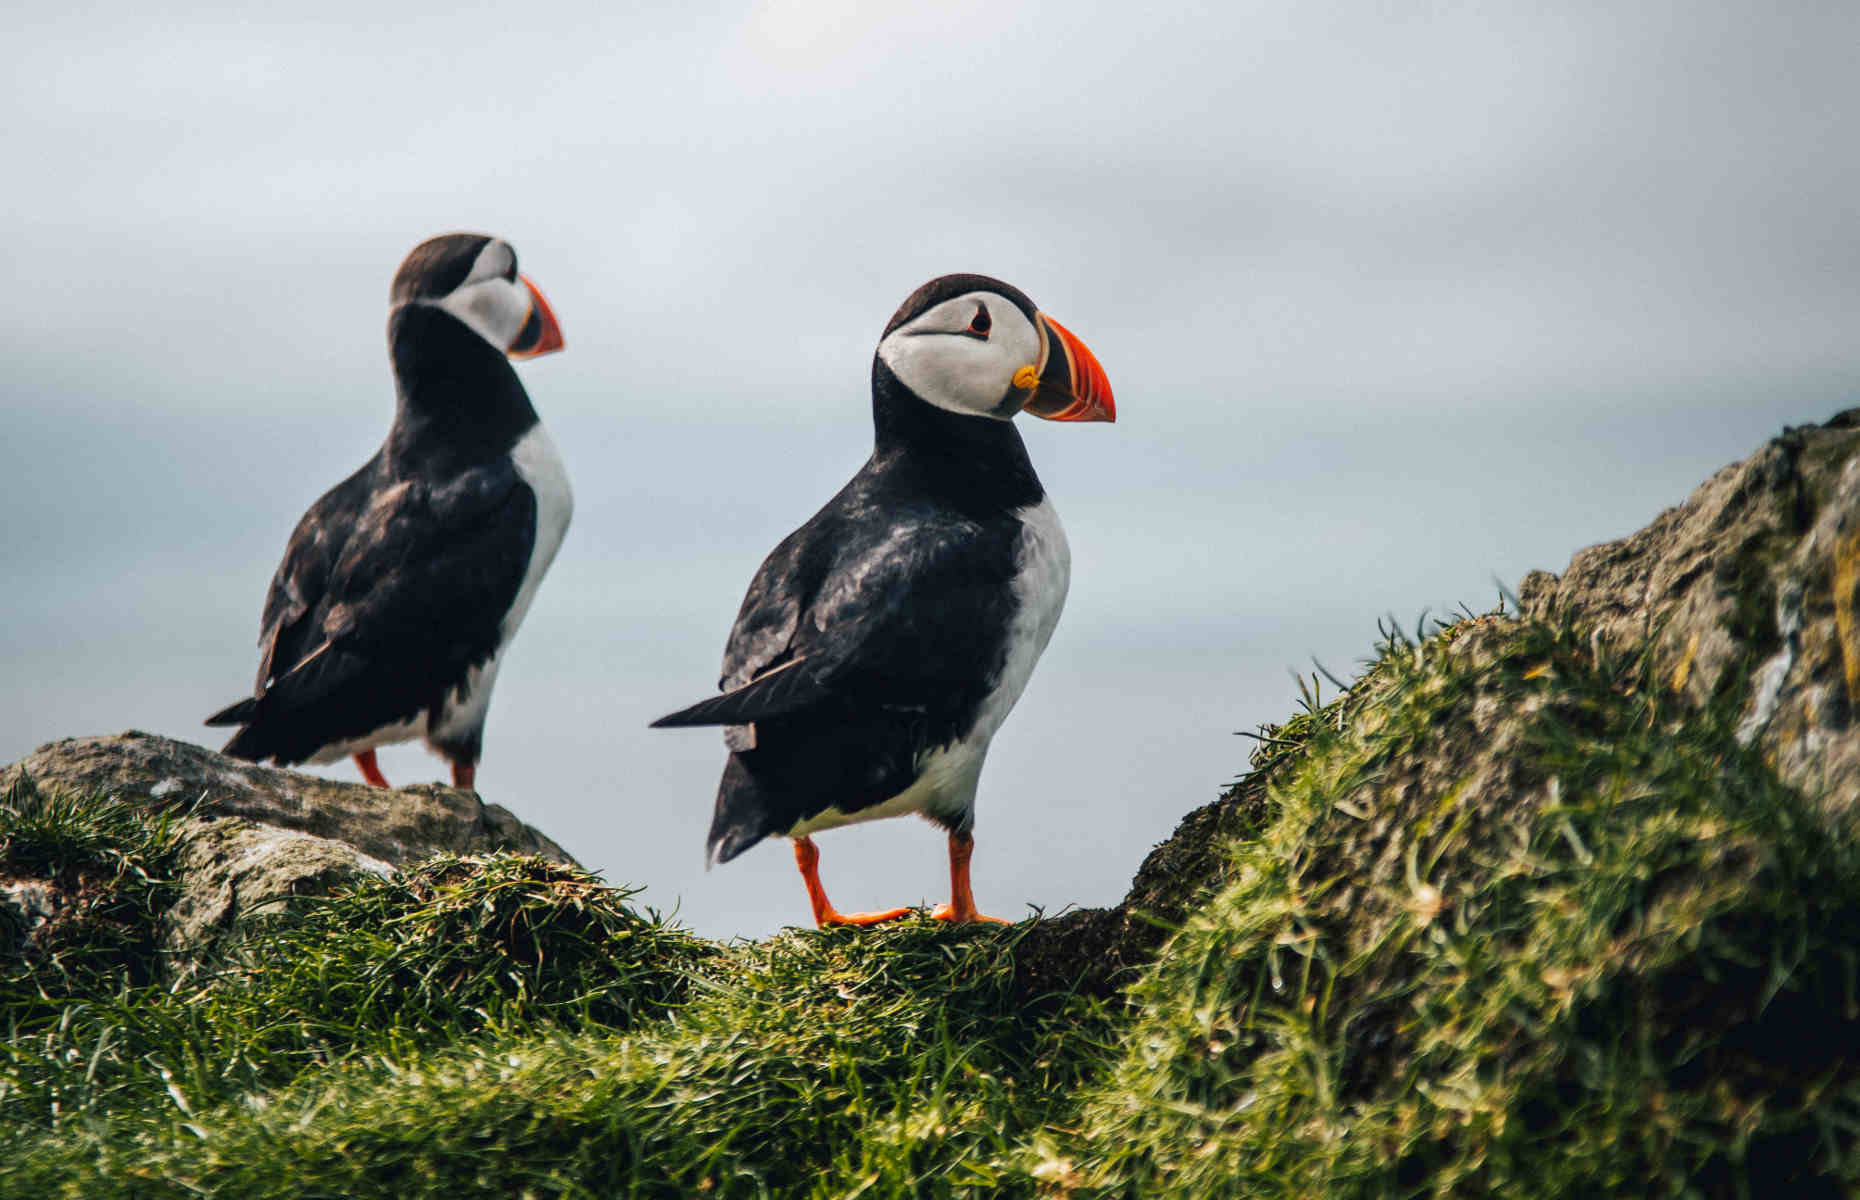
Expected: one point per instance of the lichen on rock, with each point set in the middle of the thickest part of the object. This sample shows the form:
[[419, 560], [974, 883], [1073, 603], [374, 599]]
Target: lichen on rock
[[396, 825], [1749, 588], [235, 869]]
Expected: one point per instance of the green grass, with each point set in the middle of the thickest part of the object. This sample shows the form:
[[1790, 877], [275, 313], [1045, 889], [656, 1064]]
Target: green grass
[[503, 1025], [809, 1064], [451, 950], [1508, 920]]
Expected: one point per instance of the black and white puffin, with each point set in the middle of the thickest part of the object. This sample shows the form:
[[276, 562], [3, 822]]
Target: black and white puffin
[[884, 642], [401, 588]]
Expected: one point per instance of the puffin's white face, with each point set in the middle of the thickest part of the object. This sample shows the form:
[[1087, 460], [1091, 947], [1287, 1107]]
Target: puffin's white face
[[491, 301], [971, 355]]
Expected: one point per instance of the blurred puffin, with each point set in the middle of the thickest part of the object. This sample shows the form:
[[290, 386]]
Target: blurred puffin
[[402, 586], [882, 644]]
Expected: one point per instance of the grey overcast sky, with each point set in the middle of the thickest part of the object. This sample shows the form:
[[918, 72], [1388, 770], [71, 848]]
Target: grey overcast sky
[[1399, 300]]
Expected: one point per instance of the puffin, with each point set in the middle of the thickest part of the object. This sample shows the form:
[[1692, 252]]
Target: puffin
[[402, 587], [882, 644]]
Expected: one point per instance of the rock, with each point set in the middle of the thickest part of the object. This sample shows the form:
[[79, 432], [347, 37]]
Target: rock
[[398, 826], [27, 906], [256, 837], [233, 869], [1750, 594], [1749, 591]]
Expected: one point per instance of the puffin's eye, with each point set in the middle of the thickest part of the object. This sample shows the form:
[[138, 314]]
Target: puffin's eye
[[982, 322]]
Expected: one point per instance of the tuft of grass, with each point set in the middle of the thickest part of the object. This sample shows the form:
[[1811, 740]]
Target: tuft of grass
[[462, 943], [1526, 924], [88, 882], [870, 1062], [453, 948]]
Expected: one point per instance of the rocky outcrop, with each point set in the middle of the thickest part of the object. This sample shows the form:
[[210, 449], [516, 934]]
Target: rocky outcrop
[[398, 826], [232, 868], [254, 836], [1749, 592]]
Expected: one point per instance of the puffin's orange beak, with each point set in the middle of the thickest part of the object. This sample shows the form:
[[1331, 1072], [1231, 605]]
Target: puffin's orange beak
[[541, 334], [1072, 386]]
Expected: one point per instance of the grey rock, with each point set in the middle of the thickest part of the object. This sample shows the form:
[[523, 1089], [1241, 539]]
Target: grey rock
[[233, 869], [258, 837], [398, 826], [1750, 592], [26, 907]]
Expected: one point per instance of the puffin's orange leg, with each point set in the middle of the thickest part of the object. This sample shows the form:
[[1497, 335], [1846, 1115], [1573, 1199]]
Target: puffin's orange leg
[[961, 906], [465, 775], [372, 773], [807, 857]]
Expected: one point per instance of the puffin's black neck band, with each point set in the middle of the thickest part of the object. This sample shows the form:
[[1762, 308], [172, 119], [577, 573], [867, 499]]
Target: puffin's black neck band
[[459, 401], [978, 462]]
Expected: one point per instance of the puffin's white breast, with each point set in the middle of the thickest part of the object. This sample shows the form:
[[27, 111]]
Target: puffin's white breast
[[536, 460], [1040, 586]]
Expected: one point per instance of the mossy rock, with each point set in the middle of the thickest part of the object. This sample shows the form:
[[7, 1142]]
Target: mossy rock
[[1749, 592], [252, 840], [1527, 923]]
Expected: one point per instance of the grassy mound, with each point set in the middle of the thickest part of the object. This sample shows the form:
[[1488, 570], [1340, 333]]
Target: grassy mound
[[458, 944], [807, 1064], [1525, 925], [454, 949], [507, 1026], [1505, 918]]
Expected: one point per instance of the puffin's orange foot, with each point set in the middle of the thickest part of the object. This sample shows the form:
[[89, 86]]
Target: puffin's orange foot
[[807, 857], [835, 917], [955, 916], [961, 907]]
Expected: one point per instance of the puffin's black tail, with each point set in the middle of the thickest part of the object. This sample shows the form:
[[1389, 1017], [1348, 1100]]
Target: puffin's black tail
[[235, 714], [248, 743], [793, 686], [742, 815]]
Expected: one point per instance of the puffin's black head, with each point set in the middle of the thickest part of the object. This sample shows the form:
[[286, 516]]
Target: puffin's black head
[[977, 346], [475, 278]]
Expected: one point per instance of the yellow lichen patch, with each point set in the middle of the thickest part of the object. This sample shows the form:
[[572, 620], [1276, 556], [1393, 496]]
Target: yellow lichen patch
[[1684, 670]]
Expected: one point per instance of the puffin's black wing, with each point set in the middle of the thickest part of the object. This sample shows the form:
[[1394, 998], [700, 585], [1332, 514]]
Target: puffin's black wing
[[899, 617], [862, 644], [390, 592]]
